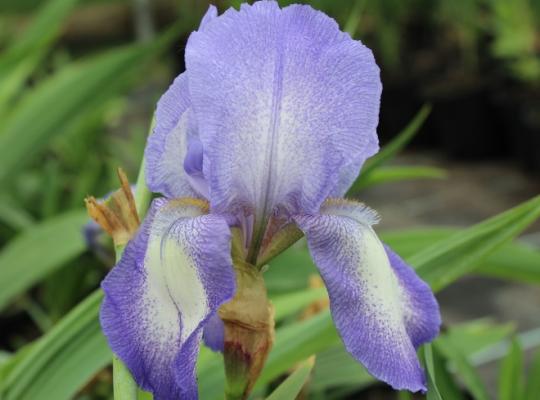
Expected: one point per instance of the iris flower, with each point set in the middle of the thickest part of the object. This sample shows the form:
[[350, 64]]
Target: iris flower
[[266, 130]]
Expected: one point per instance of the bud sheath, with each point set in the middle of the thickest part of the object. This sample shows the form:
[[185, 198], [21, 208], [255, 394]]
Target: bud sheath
[[249, 331]]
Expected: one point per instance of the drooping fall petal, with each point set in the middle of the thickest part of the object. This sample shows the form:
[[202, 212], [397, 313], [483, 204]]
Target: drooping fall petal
[[170, 281], [381, 308]]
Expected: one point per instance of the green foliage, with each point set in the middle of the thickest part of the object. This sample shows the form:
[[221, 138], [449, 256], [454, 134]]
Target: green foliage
[[292, 386], [389, 152], [511, 373], [472, 381], [448, 260], [532, 387], [75, 91], [63, 360], [388, 174], [515, 37], [24, 55], [38, 251], [433, 390]]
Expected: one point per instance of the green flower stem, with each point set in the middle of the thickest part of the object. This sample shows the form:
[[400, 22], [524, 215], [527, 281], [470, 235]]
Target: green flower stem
[[142, 195], [124, 385]]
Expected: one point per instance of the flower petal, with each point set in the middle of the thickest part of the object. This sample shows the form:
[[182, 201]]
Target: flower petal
[[209, 16], [214, 333], [283, 100], [381, 308], [167, 146], [171, 279]]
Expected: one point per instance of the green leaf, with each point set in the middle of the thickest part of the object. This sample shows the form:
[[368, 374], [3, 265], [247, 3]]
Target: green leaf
[[38, 251], [473, 337], [513, 261], [446, 385], [511, 373], [63, 360], [353, 20], [7, 365], [74, 91], [433, 391], [291, 303], [517, 262], [391, 149], [292, 386], [298, 341], [453, 353], [15, 216], [290, 271], [335, 368], [399, 173], [450, 259], [532, 387], [22, 57]]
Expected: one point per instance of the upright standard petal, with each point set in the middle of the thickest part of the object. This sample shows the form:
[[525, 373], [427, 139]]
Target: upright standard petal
[[382, 309], [283, 100], [170, 281], [173, 154], [167, 146]]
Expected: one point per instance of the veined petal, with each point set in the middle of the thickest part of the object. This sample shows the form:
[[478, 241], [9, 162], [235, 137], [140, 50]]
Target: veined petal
[[173, 154], [171, 279], [283, 100], [210, 15], [382, 309], [167, 146]]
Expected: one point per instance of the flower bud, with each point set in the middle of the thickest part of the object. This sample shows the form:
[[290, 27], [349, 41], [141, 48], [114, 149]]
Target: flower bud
[[249, 331]]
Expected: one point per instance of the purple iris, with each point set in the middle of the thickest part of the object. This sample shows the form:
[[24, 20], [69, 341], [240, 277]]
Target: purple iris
[[269, 125]]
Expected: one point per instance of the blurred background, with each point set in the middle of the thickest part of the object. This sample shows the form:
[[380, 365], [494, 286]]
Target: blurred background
[[79, 80]]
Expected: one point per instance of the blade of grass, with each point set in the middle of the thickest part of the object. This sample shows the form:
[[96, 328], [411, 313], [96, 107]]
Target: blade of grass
[[448, 388], [38, 251], [452, 352], [513, 261], [22, 57], [74, 91], [511, 373], [63, 360], [294, 383], [391, 149], [450, 259], [389, 174], [532, 388], [433, 391]]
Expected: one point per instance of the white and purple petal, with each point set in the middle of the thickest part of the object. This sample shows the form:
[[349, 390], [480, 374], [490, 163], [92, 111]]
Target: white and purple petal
[[214, 333], [173, 154], [171, 280], [381, 308], [167, 146], [283, 101]]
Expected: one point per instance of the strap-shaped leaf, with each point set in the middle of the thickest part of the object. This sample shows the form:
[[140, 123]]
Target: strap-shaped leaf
[[38, 251], [294, 383], [450, 259]]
